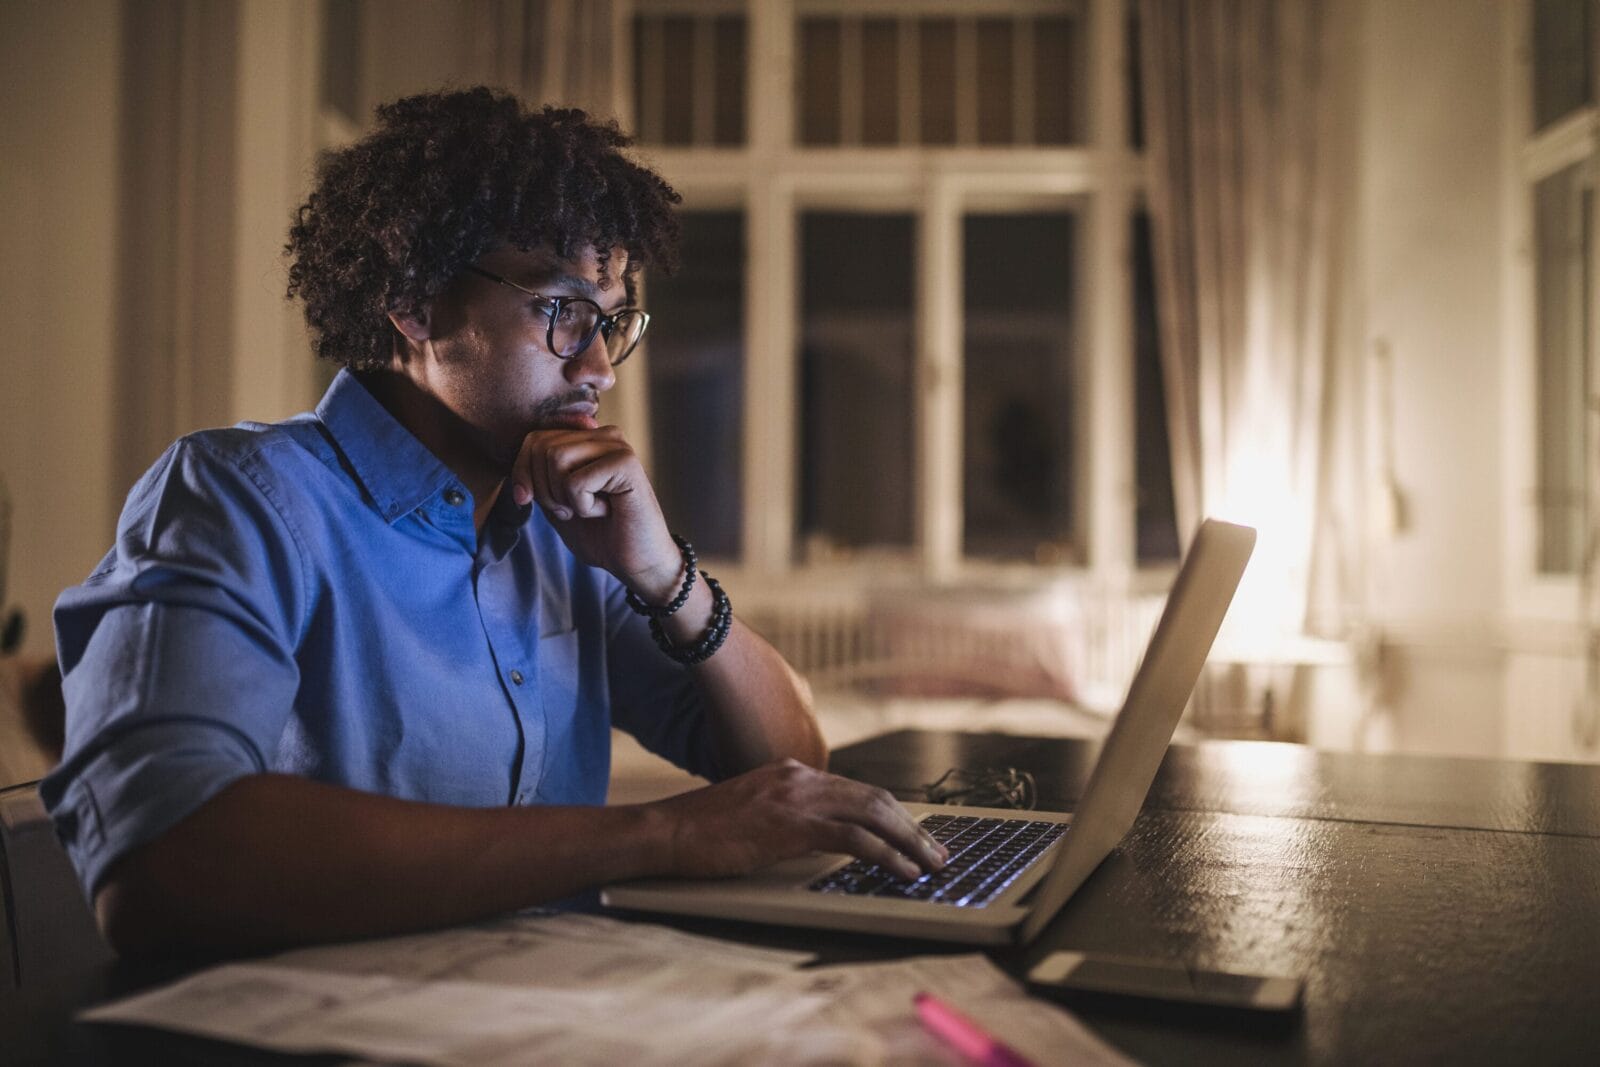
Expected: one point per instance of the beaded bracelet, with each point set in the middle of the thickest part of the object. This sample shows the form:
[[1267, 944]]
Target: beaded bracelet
[[716, 631], [691, 568]]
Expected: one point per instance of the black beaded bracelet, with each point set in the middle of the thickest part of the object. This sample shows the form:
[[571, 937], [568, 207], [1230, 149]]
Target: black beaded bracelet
[[710, 641], [691, 568]]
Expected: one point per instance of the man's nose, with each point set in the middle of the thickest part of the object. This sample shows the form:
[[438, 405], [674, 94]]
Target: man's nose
[[592, 366]]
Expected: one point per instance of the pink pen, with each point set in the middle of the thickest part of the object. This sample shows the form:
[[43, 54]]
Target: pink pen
[[964, 1035]]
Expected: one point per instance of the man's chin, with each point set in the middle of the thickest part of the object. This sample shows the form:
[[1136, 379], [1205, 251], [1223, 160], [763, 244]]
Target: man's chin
[[567, 422]]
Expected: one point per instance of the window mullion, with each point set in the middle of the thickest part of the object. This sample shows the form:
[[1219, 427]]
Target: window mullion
[[770, 78], [939, 377], [771, 386], [771, 383], [1107, 291], [1587, 341]]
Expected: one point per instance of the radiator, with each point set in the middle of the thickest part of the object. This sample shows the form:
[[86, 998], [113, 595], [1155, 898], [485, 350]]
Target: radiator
[[1070, 642]]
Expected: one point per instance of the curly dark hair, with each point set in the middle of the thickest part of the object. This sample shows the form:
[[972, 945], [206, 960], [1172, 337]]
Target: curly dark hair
[[447, 176]]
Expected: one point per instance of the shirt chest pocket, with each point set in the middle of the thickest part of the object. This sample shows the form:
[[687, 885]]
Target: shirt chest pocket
[[577, 729]]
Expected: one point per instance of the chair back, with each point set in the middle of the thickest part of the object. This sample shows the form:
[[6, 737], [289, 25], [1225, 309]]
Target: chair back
[[49, 935]]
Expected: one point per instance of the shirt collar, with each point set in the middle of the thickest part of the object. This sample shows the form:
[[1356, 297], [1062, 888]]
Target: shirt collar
[[396, 469]]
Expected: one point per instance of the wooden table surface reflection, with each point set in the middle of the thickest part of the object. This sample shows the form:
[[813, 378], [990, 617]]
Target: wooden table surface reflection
[[1439, 910]]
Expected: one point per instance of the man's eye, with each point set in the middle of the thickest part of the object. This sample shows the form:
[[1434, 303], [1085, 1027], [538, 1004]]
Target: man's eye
[[568, 315]]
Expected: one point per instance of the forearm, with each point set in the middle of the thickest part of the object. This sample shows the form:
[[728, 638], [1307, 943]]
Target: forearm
[[760, 707], [593, 489], [277, 860]]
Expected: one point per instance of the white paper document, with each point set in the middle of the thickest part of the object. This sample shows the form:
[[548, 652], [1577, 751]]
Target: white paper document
[[869, 1018], [583, 989]]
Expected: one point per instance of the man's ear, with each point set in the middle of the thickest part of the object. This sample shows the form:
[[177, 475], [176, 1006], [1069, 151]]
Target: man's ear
[[415, 325]]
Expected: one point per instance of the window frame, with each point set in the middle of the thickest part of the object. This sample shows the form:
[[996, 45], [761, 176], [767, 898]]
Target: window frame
[[1532, 156], [774, 179]]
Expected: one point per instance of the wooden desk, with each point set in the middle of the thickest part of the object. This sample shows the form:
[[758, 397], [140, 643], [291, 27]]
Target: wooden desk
[[1440, 910]]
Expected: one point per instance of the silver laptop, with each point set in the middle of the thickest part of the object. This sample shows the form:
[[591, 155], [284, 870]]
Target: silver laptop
[[1009, 871]]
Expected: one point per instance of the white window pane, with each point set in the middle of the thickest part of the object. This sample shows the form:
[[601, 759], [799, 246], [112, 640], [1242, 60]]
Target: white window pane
[[1155, 513], [1563, 47], [1019, 397], [856, 363], [996, 97], [818, 75], [695, 363], [937, 69], [686, 69], [730, 49], [880, 81], [680, 78], [341, 59], [1563, 204], [1060, 67]]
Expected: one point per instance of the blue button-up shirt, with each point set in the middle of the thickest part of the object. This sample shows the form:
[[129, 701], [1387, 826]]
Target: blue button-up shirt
[[312, 597]]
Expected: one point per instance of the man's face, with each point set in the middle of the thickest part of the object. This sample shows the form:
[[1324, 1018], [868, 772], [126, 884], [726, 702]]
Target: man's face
[[488, 359]]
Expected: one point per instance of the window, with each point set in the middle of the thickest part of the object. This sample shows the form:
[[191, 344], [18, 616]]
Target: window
[[1562, 219], [857, 362], [1559, 164], [689, 76], [1563, 50], [695, 371], [941, 80], [1019, 388], [946, 346], [1155, 513]]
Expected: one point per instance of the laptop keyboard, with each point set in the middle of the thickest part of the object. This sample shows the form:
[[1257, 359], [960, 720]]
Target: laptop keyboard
[[986, 855]]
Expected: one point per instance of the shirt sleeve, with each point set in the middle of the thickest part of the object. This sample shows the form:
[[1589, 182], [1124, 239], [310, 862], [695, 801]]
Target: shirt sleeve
[[177, 655], [653, 698]]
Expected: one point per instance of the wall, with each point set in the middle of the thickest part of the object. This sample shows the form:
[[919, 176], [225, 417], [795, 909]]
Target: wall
[[1428, 280], [155, 152], [1424, 224], [58, 198]]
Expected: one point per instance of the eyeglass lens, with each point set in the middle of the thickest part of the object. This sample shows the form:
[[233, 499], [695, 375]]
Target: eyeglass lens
[[573, 326]]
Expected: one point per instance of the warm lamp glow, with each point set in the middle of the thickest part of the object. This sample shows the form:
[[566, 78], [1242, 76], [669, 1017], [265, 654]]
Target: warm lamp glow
[[1270, 606]]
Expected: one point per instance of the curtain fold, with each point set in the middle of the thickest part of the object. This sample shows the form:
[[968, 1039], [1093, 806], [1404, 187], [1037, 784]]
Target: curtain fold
[[562, 52], [1236, 119], [571, 54]]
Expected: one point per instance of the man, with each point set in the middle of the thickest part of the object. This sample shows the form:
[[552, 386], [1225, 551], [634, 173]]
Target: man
[[355, 673]]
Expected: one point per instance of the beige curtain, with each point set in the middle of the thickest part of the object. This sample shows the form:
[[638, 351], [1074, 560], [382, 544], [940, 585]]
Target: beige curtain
[[1236, 119], [553, 51]]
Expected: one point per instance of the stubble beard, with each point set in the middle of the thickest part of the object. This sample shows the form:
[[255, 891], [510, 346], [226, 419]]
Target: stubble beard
[[547, 409]]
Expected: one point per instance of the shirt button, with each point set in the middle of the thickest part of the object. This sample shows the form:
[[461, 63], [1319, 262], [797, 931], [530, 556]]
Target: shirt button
[[516, 677], [454, 497]]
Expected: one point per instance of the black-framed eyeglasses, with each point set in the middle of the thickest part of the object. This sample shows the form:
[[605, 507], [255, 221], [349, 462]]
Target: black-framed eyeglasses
[[574, 321]]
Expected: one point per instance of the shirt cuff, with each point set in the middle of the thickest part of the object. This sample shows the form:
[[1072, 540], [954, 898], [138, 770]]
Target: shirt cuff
[[143, 783]]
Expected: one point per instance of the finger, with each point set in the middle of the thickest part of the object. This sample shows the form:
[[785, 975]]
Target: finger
[[873, 808], [576, 471], [521, 475], [554, 455], [863, 845], [877, 811], [539, 475], [530, 473], [533, 471], [591, 486]]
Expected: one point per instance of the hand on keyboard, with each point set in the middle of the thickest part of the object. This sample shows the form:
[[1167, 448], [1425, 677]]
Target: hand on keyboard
[[985, 856], [786, 809]]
